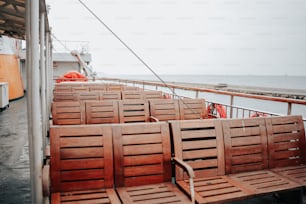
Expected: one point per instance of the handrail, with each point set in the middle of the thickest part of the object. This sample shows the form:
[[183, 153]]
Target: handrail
[[197, 90], [269, 98]]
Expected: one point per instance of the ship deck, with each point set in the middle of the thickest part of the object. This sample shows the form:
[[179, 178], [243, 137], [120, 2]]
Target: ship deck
[[14, 154], [14, 158]]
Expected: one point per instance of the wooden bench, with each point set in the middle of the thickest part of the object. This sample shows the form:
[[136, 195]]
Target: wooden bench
[[133, 111], [172, 109], [82, 164], [100, 112], [287, 147], [68, 113], [164, 110], [142, 164], [246, 157], [192, 109], [229, 159]]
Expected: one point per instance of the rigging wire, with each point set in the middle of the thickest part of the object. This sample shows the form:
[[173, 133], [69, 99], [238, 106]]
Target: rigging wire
[[128, 47], [134, 53], [61, 43]]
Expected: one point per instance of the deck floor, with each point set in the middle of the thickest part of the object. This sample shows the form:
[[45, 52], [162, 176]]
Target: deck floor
[[14, 158], [14, 154]]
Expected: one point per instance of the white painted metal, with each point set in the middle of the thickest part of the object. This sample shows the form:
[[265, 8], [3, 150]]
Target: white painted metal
[[4, 95], [34, 112], [43, 78]]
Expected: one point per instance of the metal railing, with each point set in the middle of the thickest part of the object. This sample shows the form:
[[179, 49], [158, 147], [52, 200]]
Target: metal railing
[[233, 110]]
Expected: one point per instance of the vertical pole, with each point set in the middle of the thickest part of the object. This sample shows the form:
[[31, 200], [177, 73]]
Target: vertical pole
[[197, 94], [29, 93], [231, 106], [289, 108], [43, 78], [34, 115]]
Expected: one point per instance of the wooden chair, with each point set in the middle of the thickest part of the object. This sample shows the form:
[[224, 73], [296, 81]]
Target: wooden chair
[[99, 112], [164, 110], [110, 95], [192, 109], [133, 111], [287, 147], [246, 152], [88, 96], [199, 144], [65, 96], [148, 95], [142, 164], [127, 95], [68, 113], [82, 164]]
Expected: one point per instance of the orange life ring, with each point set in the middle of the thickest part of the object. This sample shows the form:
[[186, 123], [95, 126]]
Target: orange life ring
[[167, 96], [216, 111], [258, 114]]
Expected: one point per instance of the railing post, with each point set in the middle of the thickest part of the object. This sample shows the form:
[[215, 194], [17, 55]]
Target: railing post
[[197, 94], [289, 108], [231, 106]]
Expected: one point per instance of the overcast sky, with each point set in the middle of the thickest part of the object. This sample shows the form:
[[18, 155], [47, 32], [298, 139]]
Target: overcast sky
[[259, 37]]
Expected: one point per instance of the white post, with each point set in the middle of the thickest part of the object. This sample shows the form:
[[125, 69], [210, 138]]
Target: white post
[[43, 78], [34, 114]]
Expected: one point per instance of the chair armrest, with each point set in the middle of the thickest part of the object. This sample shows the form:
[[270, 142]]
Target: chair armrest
[[46, 180], [190, 173], [153, 119]]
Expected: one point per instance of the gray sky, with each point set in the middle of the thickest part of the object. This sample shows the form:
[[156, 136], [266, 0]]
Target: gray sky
[[260, 37]]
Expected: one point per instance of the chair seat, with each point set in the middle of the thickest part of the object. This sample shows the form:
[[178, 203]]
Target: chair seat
[[215, 189], [150, 194], [294, 173], [103, 196], [264, 181]]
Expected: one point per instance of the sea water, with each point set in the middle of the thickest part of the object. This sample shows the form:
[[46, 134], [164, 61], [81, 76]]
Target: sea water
[[284, 81]]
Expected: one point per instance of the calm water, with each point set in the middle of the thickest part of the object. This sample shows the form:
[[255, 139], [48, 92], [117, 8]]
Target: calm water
[[291, 82], [287, 82]]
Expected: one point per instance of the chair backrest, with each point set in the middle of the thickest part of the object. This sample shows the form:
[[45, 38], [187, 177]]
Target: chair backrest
[[110, 95], [286, 141], [165, 109], [114, 87], [65, 96], [98, 87], [99, 112], [245, 143], [62, 88], [133, 111], [148, 95], [126, 95], [142, 153], [88, 96], [81, 157], [200, 144], [68, 113], [79, 89], [192, 109]]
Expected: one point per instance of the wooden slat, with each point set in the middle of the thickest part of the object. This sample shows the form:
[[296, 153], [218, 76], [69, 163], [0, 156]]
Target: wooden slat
[[87, 174], [143, 170], [142, 160], [164, 110], [82, 164], [81, 141], [73, 153], [133, 111]]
